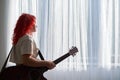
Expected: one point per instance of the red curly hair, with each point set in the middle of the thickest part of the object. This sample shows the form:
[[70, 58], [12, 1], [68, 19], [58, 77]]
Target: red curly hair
[[23, 25]]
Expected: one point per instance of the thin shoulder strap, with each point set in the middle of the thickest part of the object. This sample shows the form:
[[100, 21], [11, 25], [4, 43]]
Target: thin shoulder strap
[[40, 55], [3, 67]]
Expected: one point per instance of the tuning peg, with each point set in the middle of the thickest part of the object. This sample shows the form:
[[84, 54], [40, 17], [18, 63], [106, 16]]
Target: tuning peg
[[72, 46], [73, 54]]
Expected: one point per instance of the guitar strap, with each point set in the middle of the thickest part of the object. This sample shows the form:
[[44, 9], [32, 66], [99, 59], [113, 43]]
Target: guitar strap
[[40, 55], [3, 67]]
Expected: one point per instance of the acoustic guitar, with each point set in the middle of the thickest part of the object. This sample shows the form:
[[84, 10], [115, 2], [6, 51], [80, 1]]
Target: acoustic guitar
[[30, 73]]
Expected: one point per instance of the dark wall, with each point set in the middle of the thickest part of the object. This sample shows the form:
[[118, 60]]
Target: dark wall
[[3, 30]]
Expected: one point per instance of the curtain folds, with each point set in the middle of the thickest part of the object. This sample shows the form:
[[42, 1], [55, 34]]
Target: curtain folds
[[90, 25]]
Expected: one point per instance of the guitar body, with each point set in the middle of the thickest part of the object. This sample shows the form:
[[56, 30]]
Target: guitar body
[[23, 73]]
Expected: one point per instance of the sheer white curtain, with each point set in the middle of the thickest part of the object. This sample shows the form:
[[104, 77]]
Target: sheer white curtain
[[63, 25], [110, 33], [90, 25]]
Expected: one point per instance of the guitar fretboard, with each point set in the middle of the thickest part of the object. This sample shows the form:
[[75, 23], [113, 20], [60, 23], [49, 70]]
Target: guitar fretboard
[[61, 58]]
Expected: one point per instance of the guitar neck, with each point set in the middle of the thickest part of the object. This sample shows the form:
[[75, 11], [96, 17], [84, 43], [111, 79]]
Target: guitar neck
[[61, 58]]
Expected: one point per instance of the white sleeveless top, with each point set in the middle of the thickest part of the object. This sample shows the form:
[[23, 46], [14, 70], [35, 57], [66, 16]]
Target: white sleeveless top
[[25, 45]]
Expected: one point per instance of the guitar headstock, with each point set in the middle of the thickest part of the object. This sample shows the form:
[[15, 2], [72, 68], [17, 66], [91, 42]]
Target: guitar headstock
[[73, 51]]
